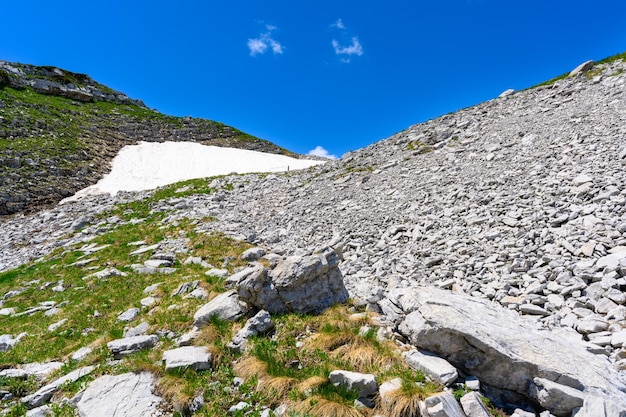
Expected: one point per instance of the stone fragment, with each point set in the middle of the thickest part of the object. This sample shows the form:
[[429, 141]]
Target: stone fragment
[[140, 329], [473, 406], [502, 349], [145, 249], [252, 254], [533, 309], [43, 394], [214, 272], [7, 341], [122, 347], [561, 400], [81, 353], [225, 306], [443, 405], [194, 357], [125, 395], [259, 324], [436, 368], [364, 384], [128, 315], [584, 67]]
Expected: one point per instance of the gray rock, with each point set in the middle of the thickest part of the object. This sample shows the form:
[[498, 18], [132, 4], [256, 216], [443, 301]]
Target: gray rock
[[601, 407], [42, 411], [186, 287], [225, 306], [253, 254], [128, 315], [501, 349], [436, 368], [584, 67], [215, 272], [7, 341], [122, 347], [302, 284], [259, 324], [81, 353], [194, 357], [364, 384], [443, 405], [139, 330], [561, 400], [473, 406], [42, 370], [43, 394], [126, 395]]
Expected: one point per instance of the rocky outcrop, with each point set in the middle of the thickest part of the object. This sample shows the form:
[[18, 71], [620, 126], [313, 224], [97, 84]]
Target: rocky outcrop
[[301, 284], [126, 395], [502, 350]]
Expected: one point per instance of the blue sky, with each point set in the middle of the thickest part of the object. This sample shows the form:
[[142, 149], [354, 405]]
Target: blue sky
[[303, 74]]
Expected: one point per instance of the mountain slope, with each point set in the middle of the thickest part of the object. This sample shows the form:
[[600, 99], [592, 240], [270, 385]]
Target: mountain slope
[[59, 130], [493, 238]]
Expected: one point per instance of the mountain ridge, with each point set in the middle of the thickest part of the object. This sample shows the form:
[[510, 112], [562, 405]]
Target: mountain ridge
[[59, 131]]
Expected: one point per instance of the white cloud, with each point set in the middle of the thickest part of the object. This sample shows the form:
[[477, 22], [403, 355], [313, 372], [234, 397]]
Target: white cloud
[[320, 151], [353, 49], [256, 46], [338, 24], [349, 44], [260, 45]]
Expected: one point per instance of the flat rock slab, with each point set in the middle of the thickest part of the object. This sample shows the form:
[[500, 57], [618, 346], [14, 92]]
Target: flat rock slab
[[194, 357], [128, 345], [364, 384], [501, 349], [43, 395], [437, 368], [126, 395]]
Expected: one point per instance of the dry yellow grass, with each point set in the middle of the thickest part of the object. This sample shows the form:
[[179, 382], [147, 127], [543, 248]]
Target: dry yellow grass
[[310, 384], [399, 404], [321, 407], [366, 359], [173, 390]]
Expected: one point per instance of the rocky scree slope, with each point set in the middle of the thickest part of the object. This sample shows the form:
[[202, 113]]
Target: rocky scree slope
[[59, 130], [492, 237]]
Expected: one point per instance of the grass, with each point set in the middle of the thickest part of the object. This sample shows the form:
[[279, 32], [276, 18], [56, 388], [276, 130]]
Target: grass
[[419, 147], [289, 366], [590, 74]]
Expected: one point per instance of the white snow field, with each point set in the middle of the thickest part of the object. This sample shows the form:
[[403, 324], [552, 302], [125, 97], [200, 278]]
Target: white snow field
[[149, 165]]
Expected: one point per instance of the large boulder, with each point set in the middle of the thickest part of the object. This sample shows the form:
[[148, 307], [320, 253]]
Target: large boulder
[[302, 284], [126, 395], [507, 352]]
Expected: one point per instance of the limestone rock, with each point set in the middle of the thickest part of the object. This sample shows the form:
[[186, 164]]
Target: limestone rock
[[364, 384], [561, 400], [43, 394], [500, 348], [129, 315], [126, 395], [194, 357], [473, 406], [302, 284], [259, 324], [584, 67], [225, 306], [436, 368], [128, 345], [443, 405]]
